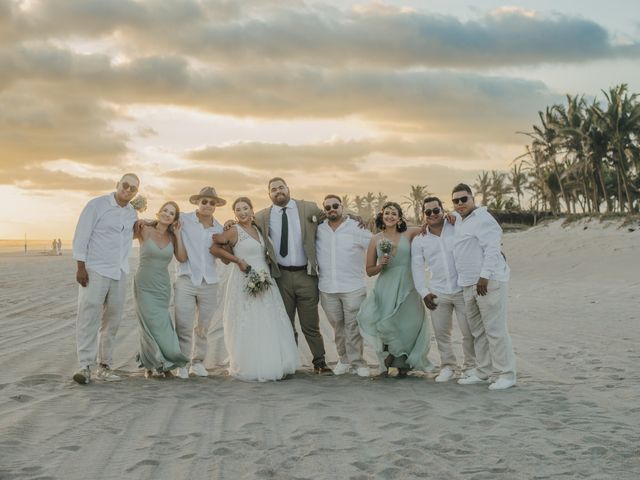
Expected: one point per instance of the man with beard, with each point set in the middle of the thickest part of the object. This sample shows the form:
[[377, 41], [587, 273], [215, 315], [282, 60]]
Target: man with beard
[[291, 226], [341, 246]]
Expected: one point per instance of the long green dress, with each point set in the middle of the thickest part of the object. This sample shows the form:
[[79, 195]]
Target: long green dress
[[393, 319], [159, 347]]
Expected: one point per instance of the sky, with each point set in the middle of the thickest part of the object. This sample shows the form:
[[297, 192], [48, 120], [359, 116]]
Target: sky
[[334, 96]]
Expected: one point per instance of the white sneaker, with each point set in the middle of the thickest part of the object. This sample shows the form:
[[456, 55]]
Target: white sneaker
[[445, 375], [469, 372], [82, 376], [198, 370], [341, 368], [472, 380], [502, 384], [105, 373], [182, 372], [363, 372]]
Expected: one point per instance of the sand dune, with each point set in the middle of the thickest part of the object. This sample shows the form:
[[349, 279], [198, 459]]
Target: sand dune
[[574, 301]]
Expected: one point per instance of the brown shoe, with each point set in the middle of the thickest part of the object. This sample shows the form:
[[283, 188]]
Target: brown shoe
[[323, 370]]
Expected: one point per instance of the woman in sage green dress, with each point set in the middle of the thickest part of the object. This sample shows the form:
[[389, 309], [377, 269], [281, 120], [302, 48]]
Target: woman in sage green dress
[[392, 318], [159, 348]]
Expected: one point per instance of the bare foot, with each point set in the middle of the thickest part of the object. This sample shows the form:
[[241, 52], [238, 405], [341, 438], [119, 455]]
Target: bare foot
[[148, 373], [169, 374]]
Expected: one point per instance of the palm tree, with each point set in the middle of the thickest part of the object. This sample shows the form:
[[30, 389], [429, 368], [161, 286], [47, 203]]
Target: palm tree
[[518, 180], [368, 205], [381, 199], [347, 203], [414, 200], [482, 187]]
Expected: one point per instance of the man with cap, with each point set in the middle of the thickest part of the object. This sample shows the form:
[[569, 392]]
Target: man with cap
[[196, 287]]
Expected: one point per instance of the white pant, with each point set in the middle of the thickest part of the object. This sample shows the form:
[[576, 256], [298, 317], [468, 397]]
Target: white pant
[[100, 307], [487, 317], [341, 310], [442, 320], [187, 299]]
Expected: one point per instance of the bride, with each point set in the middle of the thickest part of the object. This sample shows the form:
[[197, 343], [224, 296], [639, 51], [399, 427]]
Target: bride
[[257, 330]]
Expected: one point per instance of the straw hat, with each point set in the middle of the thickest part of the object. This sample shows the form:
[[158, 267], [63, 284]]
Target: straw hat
[[208, 192]]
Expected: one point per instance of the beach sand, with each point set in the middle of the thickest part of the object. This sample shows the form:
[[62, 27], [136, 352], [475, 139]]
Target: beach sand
[[574, 301]]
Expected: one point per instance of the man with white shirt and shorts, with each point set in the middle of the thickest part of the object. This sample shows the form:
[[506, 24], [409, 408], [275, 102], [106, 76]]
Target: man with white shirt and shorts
[[196, 287], [483, 274], [434, 251], [341, 247], [101, 248]]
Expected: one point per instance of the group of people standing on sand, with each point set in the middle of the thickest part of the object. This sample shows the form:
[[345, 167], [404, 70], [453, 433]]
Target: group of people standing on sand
[[286, 259]]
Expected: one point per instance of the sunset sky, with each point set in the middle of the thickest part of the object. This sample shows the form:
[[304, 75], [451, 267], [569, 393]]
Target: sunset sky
[[335, 96]]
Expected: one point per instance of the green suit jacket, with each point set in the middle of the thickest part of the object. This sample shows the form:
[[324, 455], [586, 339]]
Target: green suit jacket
[[309, 214]]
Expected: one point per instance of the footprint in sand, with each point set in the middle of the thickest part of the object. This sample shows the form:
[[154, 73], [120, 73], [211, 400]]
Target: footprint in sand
[[22, 398], [142, 463]]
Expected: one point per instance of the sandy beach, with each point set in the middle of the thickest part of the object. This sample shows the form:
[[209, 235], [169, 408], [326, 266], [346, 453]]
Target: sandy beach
[[575, 324]]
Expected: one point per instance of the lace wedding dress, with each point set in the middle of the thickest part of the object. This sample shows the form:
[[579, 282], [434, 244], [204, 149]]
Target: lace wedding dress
[[257, 330]]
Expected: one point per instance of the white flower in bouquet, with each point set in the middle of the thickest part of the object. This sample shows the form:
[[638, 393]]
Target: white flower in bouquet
[[139, 203], [257, 282], [385, 246]]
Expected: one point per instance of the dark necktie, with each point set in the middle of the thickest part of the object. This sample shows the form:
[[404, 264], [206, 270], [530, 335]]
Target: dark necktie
[[284, 235]]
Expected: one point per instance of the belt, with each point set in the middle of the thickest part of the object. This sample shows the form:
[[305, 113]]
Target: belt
[[292, 269]]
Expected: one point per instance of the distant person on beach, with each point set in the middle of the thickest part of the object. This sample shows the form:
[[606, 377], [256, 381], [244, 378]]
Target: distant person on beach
[[196, 288], [101, 247], [160, 241], [59, 247], [392, 318], [341, 247], [483, 274], [291, 227], [433, 250]]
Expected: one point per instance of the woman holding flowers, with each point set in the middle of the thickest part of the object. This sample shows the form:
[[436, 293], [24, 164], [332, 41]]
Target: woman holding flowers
[[392, 318], [257, 330]]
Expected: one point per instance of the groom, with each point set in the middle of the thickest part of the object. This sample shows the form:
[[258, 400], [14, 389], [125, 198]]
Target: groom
[[291, 226]]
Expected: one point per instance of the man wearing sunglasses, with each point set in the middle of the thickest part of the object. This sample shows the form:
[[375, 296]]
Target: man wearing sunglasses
[[196, 288], [434, 251], [341, 247], [483, 274], [101, 247]]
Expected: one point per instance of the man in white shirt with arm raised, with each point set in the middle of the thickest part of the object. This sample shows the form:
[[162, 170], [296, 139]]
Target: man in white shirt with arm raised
[[101, 248], [483, 274], [443, 296], [341, 247]]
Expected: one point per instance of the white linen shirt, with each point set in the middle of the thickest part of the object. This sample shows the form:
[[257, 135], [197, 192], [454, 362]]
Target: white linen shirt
[[104, 235], [477, 248], [200, 265], [295, 255], [435, 253], [341, 256]]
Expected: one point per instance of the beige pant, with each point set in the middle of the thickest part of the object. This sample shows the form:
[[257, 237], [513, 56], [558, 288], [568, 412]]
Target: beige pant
[[442, 320], [192, 329], [341, 310], [299, 293], [487, 317], [100, 306]]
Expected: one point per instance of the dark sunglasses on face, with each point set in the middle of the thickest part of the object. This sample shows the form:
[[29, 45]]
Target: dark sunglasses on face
[[128, 186], [334, 206], [435, 211], [204, 201], [456, 201]]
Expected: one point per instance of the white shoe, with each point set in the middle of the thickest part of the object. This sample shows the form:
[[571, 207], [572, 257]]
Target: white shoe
[[198, 370], [502, 384], [469, 372], [182, 372], [105, 373], [472, 380], [363, 372], [445, 375], [341, 368], [82, 376]]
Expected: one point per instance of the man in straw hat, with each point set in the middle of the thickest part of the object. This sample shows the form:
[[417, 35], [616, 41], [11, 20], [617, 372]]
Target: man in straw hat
[[196, 288]]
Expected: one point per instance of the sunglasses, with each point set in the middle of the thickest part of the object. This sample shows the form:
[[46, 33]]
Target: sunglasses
[[334, 206], [128, 186], [428, 212], [456, 201], [204, 201]]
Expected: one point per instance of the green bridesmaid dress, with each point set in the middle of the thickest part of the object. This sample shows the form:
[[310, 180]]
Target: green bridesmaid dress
[[393, 318], [159, 347]]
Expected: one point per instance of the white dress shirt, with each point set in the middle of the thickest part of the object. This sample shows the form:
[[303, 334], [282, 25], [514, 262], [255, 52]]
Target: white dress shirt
[[104, 235], [341, 256], [200, 265], [436, 253], [477, 248], [295, 255]]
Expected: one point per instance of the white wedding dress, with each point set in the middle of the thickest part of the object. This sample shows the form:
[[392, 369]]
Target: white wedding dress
[[257, 330]]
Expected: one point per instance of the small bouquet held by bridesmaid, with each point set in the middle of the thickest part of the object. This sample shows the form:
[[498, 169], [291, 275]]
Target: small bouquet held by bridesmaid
[[257, 282], [139, 203], [385, 246]]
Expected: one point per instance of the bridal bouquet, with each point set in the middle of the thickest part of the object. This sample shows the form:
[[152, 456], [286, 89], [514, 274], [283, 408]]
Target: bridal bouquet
[[257, 282], [385, 246], [139, 203]]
